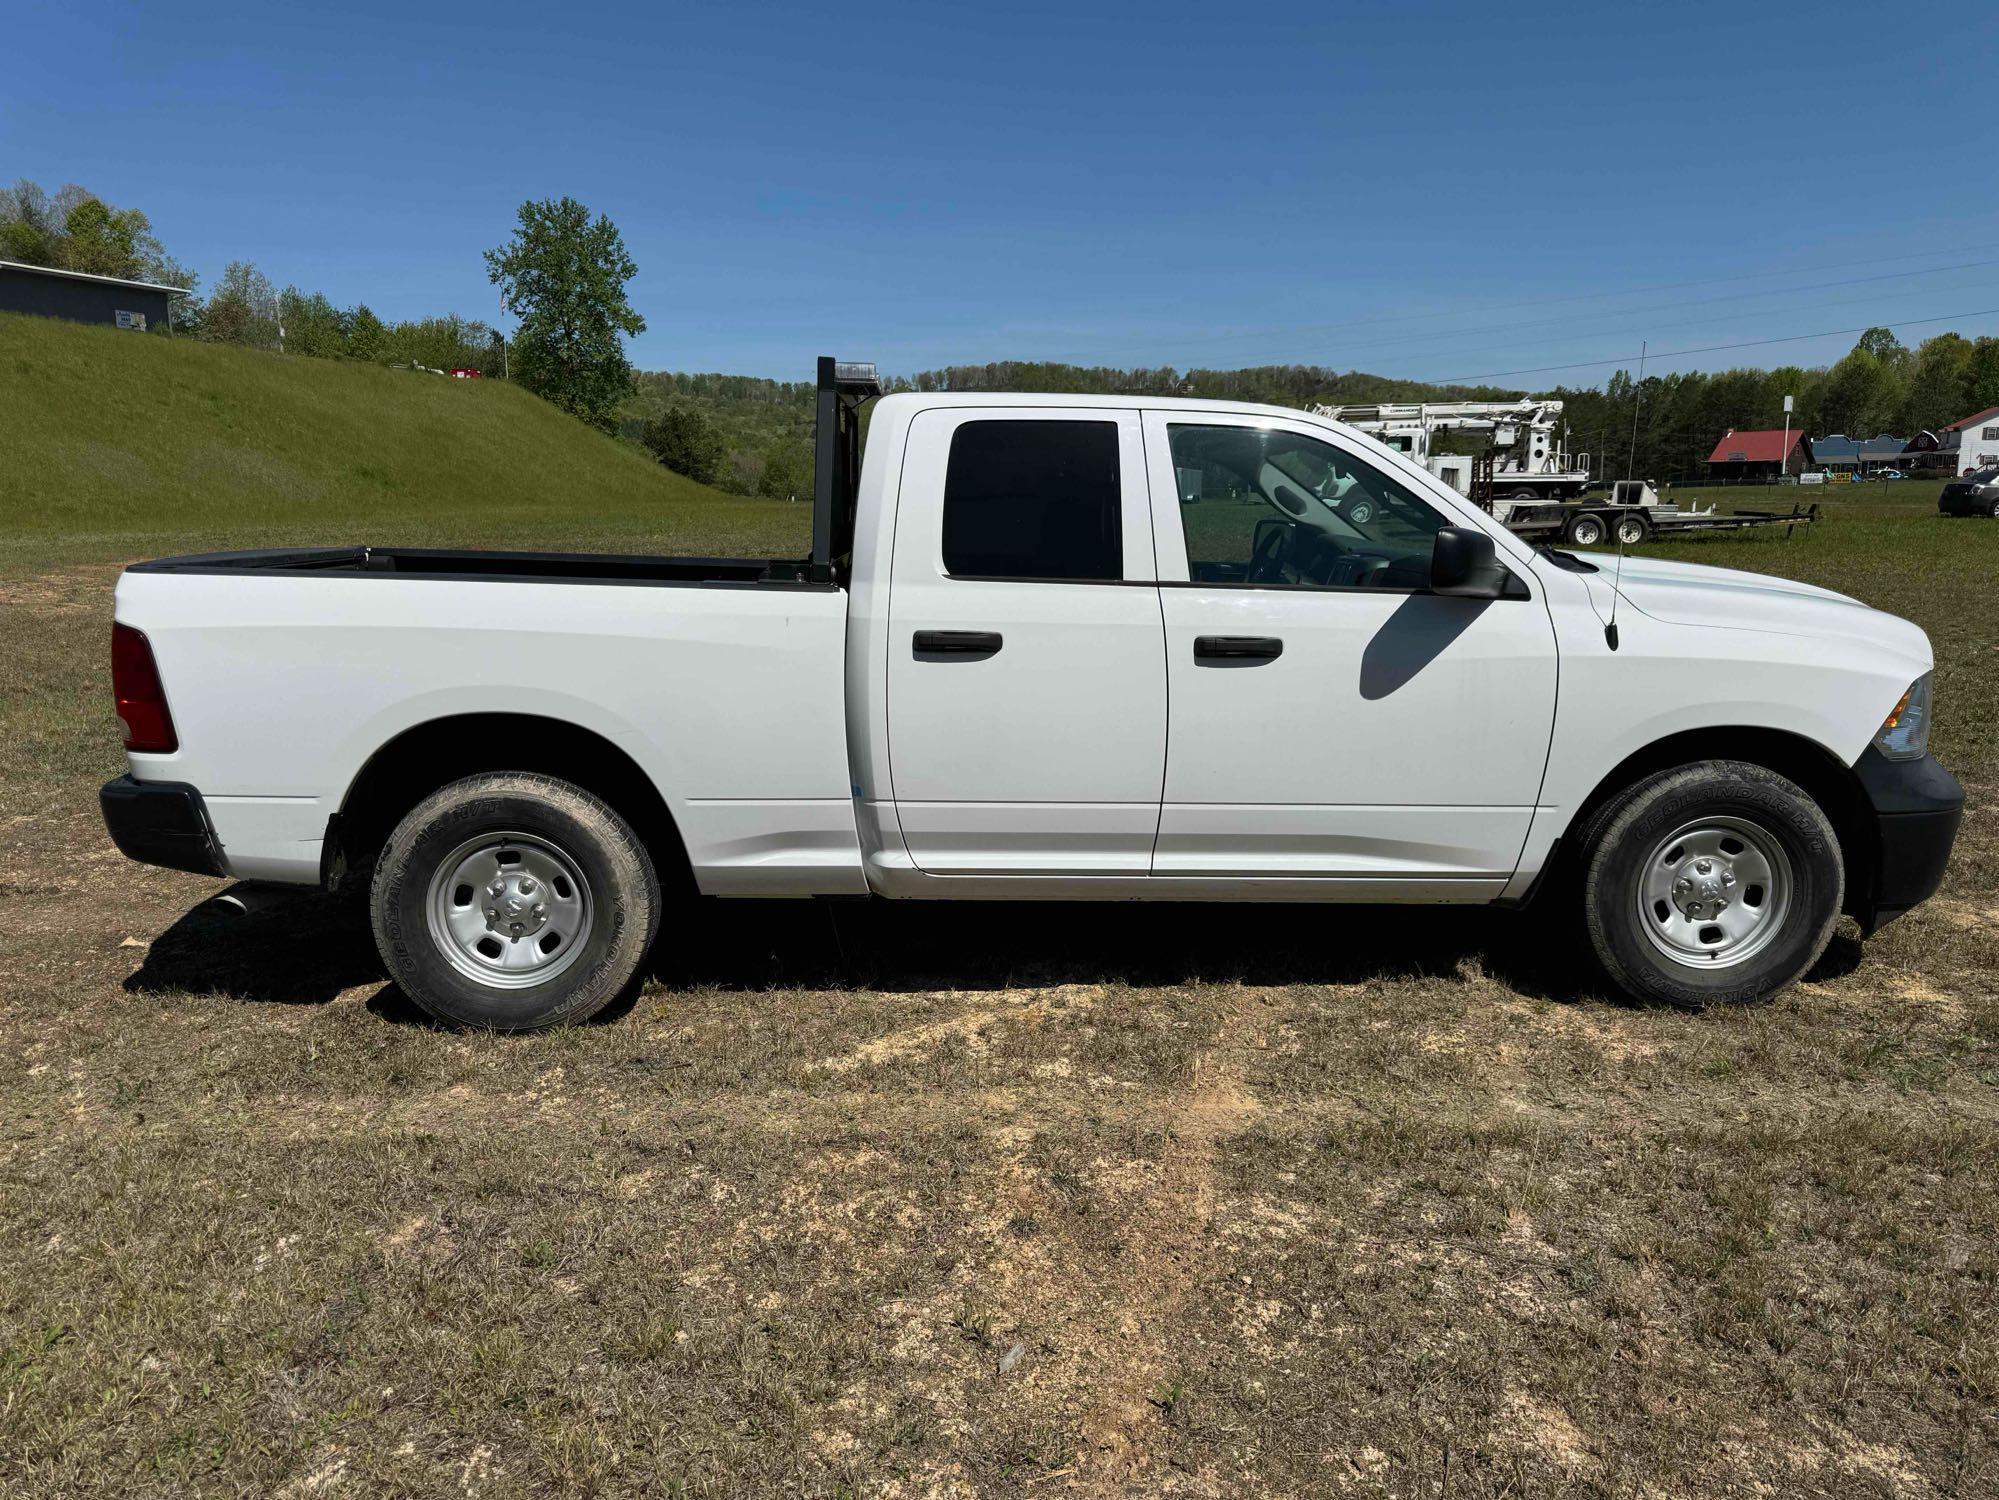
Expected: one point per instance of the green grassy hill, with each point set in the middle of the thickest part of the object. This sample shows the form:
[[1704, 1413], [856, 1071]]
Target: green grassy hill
[[116, 446]]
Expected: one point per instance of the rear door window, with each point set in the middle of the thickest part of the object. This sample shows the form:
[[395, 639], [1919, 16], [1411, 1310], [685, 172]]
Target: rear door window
[[1033, 499]]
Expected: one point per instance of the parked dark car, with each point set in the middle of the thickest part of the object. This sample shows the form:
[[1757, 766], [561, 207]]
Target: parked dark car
[[1973, 494]]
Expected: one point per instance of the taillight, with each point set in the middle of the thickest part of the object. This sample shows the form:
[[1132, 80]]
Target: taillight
[[142, 702]]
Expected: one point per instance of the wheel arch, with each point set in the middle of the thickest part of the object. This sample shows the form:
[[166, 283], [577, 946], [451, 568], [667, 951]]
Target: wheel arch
[[437, 752], [1820, 773]]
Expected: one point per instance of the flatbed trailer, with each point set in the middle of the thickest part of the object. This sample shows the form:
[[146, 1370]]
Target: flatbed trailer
[[1632, 512]]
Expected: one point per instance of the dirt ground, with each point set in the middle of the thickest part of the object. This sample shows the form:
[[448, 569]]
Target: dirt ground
[[987, 1200]]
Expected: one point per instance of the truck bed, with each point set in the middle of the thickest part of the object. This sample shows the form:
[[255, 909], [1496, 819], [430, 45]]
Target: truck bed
[[502, 567]]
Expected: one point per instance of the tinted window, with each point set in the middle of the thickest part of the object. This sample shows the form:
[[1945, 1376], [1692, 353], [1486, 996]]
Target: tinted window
[[1033, 500], [1265, 506]]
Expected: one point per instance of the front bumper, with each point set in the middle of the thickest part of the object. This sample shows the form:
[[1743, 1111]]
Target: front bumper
[[161, 823], [1916, 806]]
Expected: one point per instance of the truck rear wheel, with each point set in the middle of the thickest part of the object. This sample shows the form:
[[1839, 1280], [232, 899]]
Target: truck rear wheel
[[1712, 884], [513, 902], [1586, 530], [1631, 530]]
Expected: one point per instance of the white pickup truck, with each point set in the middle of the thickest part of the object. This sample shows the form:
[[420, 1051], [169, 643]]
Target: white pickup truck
[[1066, 647]]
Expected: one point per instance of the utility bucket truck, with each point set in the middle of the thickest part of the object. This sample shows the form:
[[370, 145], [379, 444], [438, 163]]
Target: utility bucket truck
[[1529, 481]]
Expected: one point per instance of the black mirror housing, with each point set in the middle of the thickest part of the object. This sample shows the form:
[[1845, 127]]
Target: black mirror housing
[[1464, 564]]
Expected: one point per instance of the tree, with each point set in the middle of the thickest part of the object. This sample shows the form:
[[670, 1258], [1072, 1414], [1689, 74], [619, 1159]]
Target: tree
[[364, 333], [243, 310], [564, 276], [312, 324], [787, 472], [1939, 383], [682, 439], [78, 231]]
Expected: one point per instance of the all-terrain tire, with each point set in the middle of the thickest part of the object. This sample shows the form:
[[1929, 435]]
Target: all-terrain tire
[[1750, 805], [599, 863]]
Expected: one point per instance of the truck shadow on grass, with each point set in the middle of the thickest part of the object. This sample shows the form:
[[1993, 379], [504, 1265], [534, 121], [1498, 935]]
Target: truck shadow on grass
[[278, 946]]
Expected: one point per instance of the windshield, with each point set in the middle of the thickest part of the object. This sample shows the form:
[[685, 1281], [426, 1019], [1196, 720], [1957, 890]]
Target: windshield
[[1982, 476]]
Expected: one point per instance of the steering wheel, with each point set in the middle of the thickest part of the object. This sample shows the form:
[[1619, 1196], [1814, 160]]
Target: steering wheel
[[1266, 563]]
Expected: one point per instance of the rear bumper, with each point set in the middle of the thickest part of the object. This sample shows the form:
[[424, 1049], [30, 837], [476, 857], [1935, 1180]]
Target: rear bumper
[[1916, 806], [161, 823]]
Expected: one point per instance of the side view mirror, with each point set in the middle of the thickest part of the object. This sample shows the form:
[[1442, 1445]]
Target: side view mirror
[[1465, 565]]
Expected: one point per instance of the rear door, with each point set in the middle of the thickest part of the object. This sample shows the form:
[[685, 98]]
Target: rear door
[[1026, 672], [1330, 716]]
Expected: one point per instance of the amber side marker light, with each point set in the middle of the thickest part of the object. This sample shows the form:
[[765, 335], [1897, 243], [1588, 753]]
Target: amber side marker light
[[141, 699]]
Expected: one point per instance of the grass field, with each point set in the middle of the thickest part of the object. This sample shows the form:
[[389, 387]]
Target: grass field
[[937, 1201]]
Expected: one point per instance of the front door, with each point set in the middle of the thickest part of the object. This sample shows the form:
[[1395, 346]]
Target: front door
[[1026, 671], [1331, 718]]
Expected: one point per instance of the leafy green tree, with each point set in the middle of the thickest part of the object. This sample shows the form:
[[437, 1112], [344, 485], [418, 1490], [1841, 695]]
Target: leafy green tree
[[78, 231], [787, 473], [243, 309], [1939, 383], [30, 232], [1883, 345], [313, 325], [563, 275], [1982, 378], [364, 333], [683, 440]]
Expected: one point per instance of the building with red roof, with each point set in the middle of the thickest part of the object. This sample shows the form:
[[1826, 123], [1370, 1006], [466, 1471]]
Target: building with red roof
[[1759, 455], [1974, 440]]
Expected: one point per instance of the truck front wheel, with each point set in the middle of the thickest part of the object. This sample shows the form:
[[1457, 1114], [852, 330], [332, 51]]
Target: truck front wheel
[[1712, 883], [513, 902]]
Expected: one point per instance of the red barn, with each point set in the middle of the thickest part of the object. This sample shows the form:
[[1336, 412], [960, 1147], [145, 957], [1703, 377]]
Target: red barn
[[1758, 455]]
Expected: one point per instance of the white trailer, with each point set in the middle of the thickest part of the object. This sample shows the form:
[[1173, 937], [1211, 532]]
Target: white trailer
[[1528, 479]]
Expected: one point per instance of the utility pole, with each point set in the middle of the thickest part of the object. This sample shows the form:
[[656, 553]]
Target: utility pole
[[1784, 457]]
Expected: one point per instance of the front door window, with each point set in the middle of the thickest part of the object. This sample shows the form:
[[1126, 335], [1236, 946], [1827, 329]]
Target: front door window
[[1272, 508]]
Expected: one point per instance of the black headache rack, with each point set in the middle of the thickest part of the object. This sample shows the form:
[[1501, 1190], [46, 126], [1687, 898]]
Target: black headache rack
[[843, 387], [836, 464]]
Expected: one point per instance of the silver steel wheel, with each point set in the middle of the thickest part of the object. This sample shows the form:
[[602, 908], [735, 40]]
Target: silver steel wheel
[[509, 910], [1586, 531], [1714, 892], [1631, 531]]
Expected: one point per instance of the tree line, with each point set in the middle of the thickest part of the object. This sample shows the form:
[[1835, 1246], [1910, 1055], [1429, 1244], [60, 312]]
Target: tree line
[[1665, 427], [563, 275], [73, 229]]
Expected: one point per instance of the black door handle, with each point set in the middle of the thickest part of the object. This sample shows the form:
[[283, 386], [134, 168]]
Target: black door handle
[[957, 642], [1237, 647]]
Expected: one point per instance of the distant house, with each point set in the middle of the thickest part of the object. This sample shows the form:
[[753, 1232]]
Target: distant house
[[1845, 455], [1974, 440], [48, 293], [1743, 456]]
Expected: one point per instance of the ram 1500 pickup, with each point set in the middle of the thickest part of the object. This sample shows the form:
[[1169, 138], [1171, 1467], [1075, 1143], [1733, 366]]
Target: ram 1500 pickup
[[1065, 647]]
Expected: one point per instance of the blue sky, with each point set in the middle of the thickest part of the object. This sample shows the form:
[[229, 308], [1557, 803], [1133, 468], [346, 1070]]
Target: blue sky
[[1428, 190]]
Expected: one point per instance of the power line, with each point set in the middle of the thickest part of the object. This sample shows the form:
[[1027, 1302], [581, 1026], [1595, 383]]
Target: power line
[[1651, 328], [1632, 312], [1789, 338], [1667, 286]]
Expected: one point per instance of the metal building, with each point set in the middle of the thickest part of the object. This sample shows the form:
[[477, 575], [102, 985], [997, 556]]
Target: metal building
[[48, 293]]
